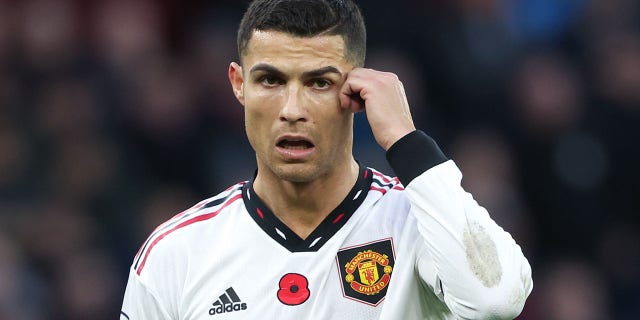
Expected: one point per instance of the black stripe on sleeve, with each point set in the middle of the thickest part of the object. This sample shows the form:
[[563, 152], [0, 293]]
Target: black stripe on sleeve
[[414, 154]]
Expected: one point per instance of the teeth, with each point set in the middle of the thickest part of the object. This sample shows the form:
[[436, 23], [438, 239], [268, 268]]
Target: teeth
[[295, 144], [290, 147]]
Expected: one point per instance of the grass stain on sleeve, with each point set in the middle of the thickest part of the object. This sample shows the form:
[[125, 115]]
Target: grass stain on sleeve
[[482, 255]]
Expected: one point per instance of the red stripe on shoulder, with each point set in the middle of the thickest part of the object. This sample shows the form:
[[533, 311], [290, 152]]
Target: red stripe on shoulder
[[384, 178], [241, 183], [196, 206], [184, 224], [381, 190]]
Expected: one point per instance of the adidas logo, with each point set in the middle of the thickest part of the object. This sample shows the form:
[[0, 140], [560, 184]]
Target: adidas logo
[[227, 302]]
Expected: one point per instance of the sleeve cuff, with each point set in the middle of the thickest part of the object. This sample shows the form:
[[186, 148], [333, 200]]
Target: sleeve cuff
[[414, 154]]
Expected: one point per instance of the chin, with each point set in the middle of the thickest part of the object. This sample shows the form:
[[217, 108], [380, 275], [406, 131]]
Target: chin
[[297, 173]]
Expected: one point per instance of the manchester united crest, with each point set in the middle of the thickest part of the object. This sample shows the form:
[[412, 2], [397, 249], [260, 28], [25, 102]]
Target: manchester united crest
[[365, 270]]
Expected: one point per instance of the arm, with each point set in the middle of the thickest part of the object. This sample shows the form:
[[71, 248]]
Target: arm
[[479, 271]]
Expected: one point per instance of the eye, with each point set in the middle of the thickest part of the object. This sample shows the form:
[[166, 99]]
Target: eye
[[270, 81], [320, 83]]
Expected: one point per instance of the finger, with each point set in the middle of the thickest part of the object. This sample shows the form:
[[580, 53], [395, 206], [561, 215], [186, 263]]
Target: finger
[[345, 100], [353, 102], [350, 96], [357, 103]]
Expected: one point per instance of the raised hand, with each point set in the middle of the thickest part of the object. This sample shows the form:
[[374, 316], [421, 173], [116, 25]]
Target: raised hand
[[382, 96]]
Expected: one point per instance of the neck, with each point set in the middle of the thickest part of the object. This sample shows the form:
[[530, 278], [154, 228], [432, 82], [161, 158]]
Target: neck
[[303, 206]]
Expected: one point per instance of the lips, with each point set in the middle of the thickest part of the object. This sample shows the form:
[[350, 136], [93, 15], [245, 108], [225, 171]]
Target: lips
[[295, 144], [295, 147]]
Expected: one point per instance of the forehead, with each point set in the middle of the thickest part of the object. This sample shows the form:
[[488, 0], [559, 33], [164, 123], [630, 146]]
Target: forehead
[[286, 50]]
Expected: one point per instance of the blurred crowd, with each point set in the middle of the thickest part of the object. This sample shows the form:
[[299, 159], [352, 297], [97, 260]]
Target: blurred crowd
[[115, 115]]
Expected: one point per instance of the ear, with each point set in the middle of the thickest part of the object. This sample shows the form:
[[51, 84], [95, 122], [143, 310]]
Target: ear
[[237, 82]]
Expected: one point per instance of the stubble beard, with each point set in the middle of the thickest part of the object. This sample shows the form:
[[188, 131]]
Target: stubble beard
[[297, 173]]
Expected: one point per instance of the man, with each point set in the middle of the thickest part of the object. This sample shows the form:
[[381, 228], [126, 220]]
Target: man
[[315, 234]]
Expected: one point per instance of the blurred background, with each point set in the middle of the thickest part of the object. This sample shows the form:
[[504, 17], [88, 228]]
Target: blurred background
[[116, 115]]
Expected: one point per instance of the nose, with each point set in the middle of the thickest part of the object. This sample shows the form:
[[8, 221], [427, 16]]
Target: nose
[[293, 109]]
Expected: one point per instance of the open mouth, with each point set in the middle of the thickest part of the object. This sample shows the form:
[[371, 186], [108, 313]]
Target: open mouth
[[294, 144]]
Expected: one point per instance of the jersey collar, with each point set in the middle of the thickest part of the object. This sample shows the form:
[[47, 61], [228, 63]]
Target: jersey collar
[[282, 234]]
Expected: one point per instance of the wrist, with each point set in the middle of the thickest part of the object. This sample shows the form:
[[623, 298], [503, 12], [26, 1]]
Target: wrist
[[414, 154], [396, 136]]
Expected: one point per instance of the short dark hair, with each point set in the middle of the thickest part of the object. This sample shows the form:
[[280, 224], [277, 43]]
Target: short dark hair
[[307, 18]]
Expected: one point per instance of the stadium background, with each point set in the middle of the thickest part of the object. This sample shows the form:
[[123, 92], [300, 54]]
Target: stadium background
[[115, 115]]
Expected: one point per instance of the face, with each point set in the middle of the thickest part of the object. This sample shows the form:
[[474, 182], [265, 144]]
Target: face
[[289, 87]]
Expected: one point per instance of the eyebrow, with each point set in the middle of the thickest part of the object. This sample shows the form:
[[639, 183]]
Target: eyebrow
[[320, 72], [307, 74], [268, 69]]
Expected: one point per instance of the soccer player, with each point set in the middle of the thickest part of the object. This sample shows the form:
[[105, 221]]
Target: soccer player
[[316, 234]]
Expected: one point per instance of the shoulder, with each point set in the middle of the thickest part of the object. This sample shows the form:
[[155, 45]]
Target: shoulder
[[387, 193], [168, 236], [387, 202]]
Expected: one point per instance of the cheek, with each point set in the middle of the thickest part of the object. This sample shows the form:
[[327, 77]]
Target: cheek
[[337, 127], [325, 106], [260, 108], [330, 106], [255, 124], [260, 112]]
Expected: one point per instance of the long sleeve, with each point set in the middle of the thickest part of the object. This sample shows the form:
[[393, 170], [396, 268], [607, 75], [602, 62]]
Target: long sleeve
[[471, 263]]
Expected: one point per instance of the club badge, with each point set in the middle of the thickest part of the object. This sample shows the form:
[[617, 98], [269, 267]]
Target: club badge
[[365, 271]]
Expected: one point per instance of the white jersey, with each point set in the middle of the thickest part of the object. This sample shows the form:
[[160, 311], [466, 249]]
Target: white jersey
[[425, 252]]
